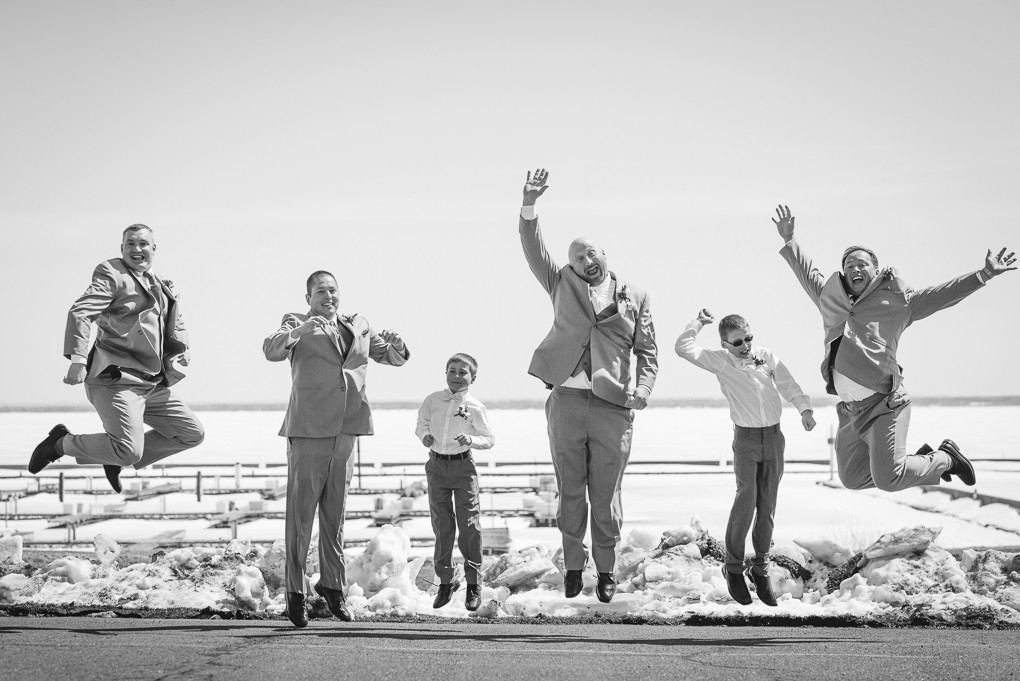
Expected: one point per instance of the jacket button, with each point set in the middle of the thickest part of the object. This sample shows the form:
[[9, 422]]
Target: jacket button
[[851, 314], [343, 388]]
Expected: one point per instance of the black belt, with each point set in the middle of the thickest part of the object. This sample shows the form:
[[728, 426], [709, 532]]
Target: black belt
[[746, 431], [451, 457]]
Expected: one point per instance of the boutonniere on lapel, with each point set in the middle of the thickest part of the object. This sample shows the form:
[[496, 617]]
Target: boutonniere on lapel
[[623, 299], [758, 362], [462, 411]]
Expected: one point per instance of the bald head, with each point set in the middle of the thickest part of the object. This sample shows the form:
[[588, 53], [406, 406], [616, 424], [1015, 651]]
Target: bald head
[[588, 260]]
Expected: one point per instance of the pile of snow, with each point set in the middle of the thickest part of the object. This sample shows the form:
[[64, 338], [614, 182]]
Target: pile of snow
[[903, 577]]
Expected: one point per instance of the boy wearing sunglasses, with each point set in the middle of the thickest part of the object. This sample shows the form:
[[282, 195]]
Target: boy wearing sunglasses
[[752, 380]]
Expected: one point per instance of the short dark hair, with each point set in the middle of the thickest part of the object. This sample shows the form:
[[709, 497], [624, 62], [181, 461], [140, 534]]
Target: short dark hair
[[137, 227], [471, 362], [315, 275], [731, 322], [847, 252]]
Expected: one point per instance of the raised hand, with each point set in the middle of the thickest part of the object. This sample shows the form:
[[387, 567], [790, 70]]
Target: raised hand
[[1000, 263], [393, 338], [309, 325], [705, 316], [463, 440], [784, 224], [534, 186], [75, 374]]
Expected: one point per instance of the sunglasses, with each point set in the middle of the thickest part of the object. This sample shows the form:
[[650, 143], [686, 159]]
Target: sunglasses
[[740, 341]]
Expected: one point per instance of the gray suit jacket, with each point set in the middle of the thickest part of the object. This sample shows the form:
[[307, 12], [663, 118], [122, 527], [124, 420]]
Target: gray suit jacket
[[612, 338], [327, 397], [134, 330], [861, 337]]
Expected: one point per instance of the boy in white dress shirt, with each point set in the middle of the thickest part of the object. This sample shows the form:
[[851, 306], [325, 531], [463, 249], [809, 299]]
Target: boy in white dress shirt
[[451, 423], [752, 380]]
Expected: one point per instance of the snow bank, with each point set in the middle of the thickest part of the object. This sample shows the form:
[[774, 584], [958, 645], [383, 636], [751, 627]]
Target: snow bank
[[903, 577]]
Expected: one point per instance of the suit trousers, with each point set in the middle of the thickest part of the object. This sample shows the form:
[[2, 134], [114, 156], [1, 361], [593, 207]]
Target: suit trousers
[[126, 404], [454, 506], [590, 442], [871, 446], [758, 465], [318, 472]]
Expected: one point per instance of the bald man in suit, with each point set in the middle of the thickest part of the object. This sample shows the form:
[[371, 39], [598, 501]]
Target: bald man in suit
[[328, 410], [600, 321], [129, 369]]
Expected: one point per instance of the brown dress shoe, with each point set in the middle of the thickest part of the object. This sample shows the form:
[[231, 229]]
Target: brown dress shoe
[[606, 588], [961, 467], [444, 594], [113, 477], [473, 597], [45, 452], [763, 587], [296, 609], [572, 583], [737, 587], [336, 602]]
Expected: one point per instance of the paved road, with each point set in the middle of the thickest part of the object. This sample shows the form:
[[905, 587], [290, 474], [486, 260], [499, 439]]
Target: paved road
[[71, 649]]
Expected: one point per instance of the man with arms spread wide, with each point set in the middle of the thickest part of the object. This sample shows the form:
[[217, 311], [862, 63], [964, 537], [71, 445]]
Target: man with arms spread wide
[[328, 410], [599, 321], [865, 310], [129, 370]]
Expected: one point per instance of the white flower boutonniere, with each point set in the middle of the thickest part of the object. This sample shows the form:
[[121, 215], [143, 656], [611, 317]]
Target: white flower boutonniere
[[347, 319], [624, 301], [462, 412]]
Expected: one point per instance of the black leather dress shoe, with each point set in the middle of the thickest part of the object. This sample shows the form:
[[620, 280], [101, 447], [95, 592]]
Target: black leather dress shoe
[[606, 588], [296, 609], [445, 594], [763, 587], [473, 598], [336, 602], [737, 587], [961, 467], [572, 583], [45, 452], [113, 476]]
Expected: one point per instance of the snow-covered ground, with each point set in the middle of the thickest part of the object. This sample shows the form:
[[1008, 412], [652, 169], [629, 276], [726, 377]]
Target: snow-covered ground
[[902, 578]]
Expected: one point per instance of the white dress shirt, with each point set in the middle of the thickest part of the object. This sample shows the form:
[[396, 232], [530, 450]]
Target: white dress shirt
[[445, 414]]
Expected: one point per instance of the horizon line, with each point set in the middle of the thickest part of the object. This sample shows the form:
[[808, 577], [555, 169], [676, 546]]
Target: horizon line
[[689, 402]]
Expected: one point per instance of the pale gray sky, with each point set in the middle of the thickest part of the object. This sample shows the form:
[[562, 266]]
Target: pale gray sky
[[388, 142]]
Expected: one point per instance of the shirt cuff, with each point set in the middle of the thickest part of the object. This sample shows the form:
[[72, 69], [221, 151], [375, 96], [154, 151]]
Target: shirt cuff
[[983, 276], [528, 212], [79, 359]]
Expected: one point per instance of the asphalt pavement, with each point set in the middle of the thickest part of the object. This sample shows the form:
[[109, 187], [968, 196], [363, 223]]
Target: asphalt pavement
[[85, 648]]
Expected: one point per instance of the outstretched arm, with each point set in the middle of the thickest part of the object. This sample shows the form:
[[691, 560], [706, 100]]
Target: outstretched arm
[[539, 260], [710, 360], [791, 391], [924, 302], [810, 278]]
